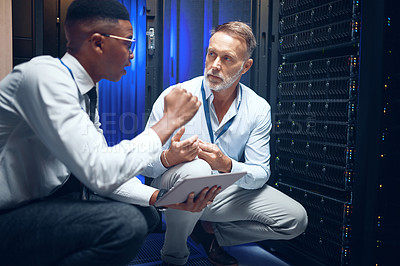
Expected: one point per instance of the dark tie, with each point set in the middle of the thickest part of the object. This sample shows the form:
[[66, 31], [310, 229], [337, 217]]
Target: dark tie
[[92, 94]]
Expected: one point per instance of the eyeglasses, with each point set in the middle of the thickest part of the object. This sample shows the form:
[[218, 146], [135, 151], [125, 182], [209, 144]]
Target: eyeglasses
[[130, 42]]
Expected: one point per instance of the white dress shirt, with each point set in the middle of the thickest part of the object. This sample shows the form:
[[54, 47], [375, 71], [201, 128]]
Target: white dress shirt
[[45, 134], [246, 141]]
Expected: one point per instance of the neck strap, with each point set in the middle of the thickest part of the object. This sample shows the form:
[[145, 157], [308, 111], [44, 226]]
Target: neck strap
[[208, 119]]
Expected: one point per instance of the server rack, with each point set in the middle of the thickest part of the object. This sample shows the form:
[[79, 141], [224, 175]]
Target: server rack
[[331, 105]]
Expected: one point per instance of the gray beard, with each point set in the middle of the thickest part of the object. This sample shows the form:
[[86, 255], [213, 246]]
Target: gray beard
[[226, 83]]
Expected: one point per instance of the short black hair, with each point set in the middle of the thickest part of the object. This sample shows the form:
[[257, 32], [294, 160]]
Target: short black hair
[[96, 9]]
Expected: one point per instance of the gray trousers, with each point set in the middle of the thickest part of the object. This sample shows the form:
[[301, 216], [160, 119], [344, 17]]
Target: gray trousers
[[239, 215]]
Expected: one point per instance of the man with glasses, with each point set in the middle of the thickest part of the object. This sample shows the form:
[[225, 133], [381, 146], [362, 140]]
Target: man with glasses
[[50, 136]]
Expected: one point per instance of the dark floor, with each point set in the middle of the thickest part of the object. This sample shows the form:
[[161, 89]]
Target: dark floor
[[247, 255]]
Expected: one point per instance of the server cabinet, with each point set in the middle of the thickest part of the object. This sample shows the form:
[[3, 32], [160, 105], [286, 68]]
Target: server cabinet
[[38, 28], [27, 30], [334, 95], [154, 52]]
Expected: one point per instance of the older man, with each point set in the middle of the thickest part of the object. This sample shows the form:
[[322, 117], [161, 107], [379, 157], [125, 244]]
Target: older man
[[230, 133]]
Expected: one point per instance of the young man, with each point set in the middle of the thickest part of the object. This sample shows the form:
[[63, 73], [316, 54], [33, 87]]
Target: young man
[[230, 133], [46, 134]]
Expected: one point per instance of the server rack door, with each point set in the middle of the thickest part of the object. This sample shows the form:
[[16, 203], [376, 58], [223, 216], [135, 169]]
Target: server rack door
[[154, 52], [330, 116]]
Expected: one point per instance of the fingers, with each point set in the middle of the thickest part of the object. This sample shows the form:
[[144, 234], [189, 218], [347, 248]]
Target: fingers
[[179, 134], [202, 195], [190, 199], [206, 156], [187, 97], [192, 204], [194, 104], [207, 153], [180, 106], [178, 89], [206, 196], [212, 193], [208, 147], [187, 146], [188, 205], [191, 154], [202, 199], [214, 157], [182, 151], [192, 141]]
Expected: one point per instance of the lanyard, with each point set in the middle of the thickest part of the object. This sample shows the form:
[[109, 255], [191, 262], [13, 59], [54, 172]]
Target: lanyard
[[207, 114], [70, 71], [72, 75]]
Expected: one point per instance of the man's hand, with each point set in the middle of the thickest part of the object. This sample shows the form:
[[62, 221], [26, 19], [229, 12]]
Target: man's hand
[[197, 204], [179, 107], [180, 151], [214, 157]]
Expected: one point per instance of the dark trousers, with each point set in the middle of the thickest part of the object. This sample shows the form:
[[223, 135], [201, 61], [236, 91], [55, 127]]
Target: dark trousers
[[66, 230]]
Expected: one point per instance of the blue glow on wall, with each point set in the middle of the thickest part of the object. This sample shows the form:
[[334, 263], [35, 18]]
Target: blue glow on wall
[[187, 27], [122, 103], [185, 47], [173, 43], [207, 26]]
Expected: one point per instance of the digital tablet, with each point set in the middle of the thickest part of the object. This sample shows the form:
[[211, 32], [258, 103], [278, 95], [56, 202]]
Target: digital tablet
[[180, 191]]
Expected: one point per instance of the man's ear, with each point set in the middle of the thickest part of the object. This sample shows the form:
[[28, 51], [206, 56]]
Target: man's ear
[[247, 65], [97, 42]]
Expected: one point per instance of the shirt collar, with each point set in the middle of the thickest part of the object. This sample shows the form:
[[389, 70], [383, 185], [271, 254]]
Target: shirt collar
[[82, 78], [239, 95], [210, 95], [208, 92]]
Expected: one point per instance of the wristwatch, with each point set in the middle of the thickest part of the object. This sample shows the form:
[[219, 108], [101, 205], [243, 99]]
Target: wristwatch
[[160, 194]]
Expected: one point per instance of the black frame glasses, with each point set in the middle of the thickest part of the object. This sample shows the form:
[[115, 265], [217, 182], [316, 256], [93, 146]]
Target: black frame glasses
[[132, 41]]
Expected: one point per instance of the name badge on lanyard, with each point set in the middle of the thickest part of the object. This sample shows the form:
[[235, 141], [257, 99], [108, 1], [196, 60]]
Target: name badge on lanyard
[[207, 114]]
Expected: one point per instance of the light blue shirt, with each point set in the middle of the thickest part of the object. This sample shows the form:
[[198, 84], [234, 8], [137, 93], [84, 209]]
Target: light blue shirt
[[246, 141], [45, 134]]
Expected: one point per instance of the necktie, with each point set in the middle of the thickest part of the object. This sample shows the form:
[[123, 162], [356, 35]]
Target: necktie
[[92, 95]]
